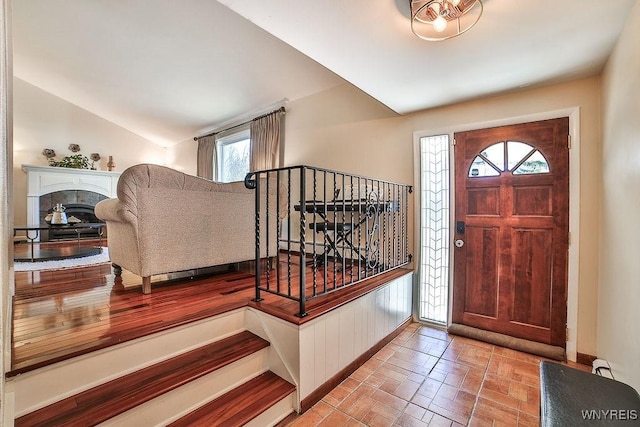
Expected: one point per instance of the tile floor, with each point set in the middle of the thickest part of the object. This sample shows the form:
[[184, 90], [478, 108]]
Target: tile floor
[[426, 377]]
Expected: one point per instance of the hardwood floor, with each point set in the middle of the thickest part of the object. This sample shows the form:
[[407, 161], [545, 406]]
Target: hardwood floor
[[65, 313]]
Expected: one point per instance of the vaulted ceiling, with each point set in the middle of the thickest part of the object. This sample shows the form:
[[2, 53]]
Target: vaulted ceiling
[[170, 70]]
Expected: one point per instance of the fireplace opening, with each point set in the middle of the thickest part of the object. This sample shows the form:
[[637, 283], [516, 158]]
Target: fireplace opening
[[78, 203]]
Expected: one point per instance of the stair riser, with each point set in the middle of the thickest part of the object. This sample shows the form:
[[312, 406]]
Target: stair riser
[[275, 414], [44, 386], [176, 403]]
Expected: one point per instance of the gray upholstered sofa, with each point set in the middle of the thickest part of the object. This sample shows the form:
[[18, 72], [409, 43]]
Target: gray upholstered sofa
[[166, 221]]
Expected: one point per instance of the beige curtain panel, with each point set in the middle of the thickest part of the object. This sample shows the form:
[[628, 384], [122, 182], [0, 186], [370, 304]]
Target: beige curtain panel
[[207, 157], [266, 135]]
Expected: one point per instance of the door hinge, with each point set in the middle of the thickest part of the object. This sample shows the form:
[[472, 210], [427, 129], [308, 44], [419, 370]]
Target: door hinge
[[569, 238], [566, 335], [454, 142], [569, 142]]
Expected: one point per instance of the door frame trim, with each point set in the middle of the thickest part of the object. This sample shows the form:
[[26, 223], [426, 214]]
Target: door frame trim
[[574, 204]]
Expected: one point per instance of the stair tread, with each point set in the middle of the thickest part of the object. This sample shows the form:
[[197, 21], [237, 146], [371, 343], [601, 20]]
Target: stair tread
[[119, 395], [240, 405]]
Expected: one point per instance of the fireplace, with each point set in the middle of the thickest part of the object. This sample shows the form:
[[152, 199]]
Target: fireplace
[[78, 203], [47, 185]]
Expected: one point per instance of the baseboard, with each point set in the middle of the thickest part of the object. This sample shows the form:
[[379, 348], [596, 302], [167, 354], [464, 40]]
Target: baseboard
[[585, 359], [332, 382]]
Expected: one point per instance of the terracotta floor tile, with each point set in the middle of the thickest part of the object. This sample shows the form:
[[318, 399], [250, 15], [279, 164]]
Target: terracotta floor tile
[[415, 411], [434, 333], [390, 385], [479, 422], [405, 420], [376, 380], [494, 412], [429, 388], [337, 418], [450, 414], [389, 399], [527, 420], [390, 370], [356, 406], [428, 345], [376, 420], [337, 395], [472, 383], [308, 419], [426, 377], [361, 374], [405, 390], [385, 353], [438, 420], [381, 410], [421, 400]]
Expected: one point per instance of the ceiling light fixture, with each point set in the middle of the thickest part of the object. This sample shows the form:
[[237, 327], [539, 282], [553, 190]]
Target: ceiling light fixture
[[436, 20]]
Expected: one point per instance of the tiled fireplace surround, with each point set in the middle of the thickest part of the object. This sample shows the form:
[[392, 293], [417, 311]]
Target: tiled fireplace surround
[[47, 185]]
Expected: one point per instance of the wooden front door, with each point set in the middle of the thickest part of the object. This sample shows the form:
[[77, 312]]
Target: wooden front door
[[512, 230]]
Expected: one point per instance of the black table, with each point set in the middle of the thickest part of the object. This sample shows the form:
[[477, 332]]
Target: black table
[[32, 233]]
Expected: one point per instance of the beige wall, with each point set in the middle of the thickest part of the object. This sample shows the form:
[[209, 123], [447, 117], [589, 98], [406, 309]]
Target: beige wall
[[346, 130], [619, 293], [42, 120]]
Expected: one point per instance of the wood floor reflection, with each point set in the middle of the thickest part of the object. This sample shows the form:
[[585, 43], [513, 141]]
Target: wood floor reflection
[[66, 313], [60, 314]]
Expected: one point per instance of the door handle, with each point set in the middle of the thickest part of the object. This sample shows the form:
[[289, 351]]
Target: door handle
[[459, 243]]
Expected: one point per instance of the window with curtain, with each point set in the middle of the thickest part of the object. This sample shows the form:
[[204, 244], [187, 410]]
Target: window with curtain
[[233, 156], [228, 155]]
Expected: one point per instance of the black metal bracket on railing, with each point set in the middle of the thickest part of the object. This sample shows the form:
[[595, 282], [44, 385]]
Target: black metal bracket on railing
[[248, 182], [328, 228]]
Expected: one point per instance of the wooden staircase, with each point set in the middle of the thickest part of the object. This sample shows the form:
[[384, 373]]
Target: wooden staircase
[[223, 382]]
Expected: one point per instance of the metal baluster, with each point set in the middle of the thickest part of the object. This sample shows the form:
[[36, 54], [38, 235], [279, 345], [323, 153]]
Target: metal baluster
[[278, 230], [303, 226], [289, 232], [314, 267], [267, 261]]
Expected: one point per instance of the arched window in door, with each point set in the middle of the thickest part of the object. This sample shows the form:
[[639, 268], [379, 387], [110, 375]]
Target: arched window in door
[[516, 157]]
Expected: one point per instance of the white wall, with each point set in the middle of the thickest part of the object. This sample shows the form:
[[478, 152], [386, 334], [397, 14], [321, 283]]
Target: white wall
[[42, 120], [619, 293]]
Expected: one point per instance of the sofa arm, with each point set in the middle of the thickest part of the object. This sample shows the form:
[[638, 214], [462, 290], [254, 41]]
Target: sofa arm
[[113, 210]]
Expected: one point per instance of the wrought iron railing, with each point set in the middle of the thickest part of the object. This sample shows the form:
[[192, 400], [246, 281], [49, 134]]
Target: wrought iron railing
[[335, 227]]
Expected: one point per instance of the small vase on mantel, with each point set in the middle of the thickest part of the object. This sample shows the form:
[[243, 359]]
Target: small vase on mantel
[[111, 164]]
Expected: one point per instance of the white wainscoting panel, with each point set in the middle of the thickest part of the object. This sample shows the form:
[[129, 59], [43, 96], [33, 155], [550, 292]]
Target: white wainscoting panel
[[331, 342]]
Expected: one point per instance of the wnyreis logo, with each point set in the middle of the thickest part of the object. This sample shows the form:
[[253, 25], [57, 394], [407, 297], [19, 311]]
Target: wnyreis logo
[[610, 414]]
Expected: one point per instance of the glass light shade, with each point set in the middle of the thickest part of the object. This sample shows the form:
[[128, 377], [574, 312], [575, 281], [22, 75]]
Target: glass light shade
[[436, 20], [439, 24]]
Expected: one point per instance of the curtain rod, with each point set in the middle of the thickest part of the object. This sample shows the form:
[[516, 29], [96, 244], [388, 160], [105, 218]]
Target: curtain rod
[[279, 110]]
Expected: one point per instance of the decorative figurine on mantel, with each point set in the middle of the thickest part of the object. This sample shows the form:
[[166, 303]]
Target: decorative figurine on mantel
[[111, 164], [95, 157]]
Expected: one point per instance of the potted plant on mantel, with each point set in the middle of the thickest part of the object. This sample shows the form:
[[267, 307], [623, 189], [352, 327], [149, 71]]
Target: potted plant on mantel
[[75, 161]]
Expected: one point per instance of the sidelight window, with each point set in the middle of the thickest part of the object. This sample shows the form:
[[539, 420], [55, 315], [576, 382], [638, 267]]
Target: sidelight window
[[434, 228]]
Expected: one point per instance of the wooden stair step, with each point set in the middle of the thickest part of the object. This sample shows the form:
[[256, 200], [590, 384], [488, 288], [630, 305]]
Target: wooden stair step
[[240, 405], [117, 396]]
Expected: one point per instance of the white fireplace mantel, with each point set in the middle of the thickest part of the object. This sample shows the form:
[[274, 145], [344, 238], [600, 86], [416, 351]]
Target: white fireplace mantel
[[48, 179]]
